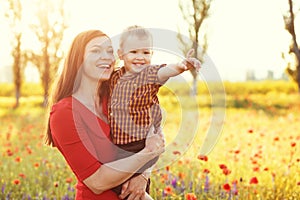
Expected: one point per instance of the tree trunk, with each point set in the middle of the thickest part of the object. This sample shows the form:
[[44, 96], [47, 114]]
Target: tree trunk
[[17, 70], [295, 48], [17, 96], [46, 76], [46, 87], [45, 102], [298, 76], [194, 86]]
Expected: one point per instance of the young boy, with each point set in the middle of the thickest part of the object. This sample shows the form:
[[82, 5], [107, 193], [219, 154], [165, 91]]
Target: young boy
[[134, 106]]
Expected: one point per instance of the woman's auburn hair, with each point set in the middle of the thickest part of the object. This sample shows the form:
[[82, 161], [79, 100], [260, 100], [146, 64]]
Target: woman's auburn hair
[[65, 85]]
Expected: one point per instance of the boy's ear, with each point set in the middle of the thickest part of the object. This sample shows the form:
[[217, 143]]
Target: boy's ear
[[120, 54]]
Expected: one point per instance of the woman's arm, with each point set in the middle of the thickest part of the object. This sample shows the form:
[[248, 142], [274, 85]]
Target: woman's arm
[[71, 138], [114, 173]]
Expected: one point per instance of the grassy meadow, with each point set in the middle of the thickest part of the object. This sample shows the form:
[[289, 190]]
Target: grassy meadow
[[255, 154]]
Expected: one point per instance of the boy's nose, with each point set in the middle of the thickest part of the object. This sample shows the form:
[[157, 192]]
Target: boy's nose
[[140, 56]]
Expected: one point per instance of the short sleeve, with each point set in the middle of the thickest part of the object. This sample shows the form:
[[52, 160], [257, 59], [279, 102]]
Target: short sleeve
[[152, 77]]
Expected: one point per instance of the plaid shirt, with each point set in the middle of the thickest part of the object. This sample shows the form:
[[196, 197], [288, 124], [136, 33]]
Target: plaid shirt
[[134, 104]]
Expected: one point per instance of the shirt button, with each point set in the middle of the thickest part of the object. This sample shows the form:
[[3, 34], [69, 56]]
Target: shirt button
[[111, 114], [135, 85]]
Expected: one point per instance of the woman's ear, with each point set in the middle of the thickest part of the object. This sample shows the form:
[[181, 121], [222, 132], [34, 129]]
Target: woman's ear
[[120, 54]]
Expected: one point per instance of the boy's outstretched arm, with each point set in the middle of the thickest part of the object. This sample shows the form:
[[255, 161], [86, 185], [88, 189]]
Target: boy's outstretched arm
[[171, 70]]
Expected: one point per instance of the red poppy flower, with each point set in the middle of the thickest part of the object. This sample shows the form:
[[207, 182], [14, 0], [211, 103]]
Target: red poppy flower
[[293, 144], [226, 171], [190, 196], [69, 180], [28, 149], [168, 190], [237, 151], [256, 169], [253, 180], [18, 159], [222, 166], [226, 187], [22, 175], [55, 184], [168, 168], [16, 181], [9, 152], [181, 175], [176, 153], [203, 157]]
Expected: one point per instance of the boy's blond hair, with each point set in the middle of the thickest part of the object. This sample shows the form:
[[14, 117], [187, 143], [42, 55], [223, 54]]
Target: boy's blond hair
[[134, 31]]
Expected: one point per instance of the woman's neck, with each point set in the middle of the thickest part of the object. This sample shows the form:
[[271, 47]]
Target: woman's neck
[[88, 96], [87, 92]]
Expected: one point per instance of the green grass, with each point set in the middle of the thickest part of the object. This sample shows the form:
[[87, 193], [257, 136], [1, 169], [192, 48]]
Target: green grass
[[260, 139]]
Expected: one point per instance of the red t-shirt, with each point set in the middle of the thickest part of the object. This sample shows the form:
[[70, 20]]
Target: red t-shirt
[[83, 139]]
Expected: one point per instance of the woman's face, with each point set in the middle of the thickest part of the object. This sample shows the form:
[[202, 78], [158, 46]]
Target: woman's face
[[99, 58]]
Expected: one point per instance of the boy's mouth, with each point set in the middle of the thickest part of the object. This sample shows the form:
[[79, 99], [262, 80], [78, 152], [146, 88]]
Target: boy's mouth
[[138, 64]]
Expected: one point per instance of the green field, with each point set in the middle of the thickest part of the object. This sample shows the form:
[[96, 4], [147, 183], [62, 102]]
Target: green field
[[256, 156]]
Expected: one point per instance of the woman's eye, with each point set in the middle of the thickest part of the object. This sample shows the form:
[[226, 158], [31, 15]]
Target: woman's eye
[[110, 51], [96, 51]]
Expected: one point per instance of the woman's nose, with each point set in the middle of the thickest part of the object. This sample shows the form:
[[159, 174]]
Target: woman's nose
[[106, 55]]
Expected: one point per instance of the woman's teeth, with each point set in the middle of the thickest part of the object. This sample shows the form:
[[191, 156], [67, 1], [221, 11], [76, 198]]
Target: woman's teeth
[[103, 66]]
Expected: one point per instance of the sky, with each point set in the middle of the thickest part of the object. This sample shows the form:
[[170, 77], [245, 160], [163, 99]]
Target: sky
[[242, 34]]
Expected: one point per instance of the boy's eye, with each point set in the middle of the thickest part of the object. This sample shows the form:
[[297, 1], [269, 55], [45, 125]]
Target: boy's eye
[[133, 51], [146, 52]]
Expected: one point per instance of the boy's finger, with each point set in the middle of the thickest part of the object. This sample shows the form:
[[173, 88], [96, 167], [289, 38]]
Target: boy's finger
[[190, 53]]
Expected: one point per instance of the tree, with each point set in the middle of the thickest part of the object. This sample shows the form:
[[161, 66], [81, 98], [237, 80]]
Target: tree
[[14, 15], [49, 29], [289, 20], [195, 12]]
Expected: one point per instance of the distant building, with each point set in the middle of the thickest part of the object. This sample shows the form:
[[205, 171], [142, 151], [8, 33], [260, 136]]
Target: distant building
[[270, 75], [6, 74], [250, 75], [285, 77]]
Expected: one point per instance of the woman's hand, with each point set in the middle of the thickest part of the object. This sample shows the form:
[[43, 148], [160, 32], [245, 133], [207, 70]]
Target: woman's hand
[[135, 188]]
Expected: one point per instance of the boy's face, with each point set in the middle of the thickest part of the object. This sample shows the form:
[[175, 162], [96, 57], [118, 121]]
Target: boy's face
[[136, 53]]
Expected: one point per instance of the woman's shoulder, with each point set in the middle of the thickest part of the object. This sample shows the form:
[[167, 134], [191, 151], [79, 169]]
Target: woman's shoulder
[[62, 106]]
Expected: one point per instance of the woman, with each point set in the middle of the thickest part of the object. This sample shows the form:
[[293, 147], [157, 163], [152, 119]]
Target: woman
[[78, 124]]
